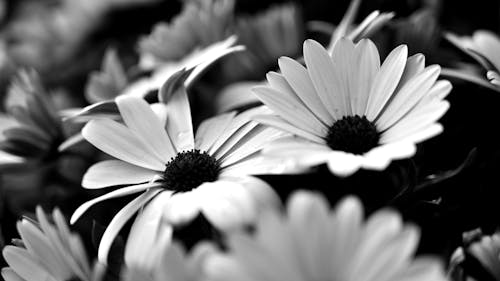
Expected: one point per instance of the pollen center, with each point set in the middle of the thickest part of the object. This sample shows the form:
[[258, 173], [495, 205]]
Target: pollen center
[[188, 169], [353, 134]]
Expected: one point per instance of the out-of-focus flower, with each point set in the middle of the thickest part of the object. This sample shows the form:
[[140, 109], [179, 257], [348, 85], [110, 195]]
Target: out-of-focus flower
[[312, 242], [275, 32], [159, 155], [347, 28], [109, 82], [200, 24], [350, 112], [167, 261], [483, 46], [421, 32], [44, 36], [199, 60], [47, 251], [484, 249], [31, 129], [279, 32]]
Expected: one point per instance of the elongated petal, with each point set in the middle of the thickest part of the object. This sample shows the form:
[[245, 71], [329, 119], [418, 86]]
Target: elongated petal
[[179, 123], [324, 77], [118, 141], [210, 129], [279, 123], [113, 194], [298, 78], [115, 172], [291, 110], [119, 221], [408, 97], [366, 67], [386, 81], [147, 127], [142, 249], [39, 246], [23, 264]]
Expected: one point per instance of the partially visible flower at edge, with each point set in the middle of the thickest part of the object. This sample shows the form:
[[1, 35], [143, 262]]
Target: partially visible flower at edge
[[485, 249], [313, 242], [48, 251], [484, 47], [31, 129]]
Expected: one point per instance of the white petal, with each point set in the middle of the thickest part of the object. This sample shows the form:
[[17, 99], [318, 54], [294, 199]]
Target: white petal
[[115, 172], [291, 110], [487, 43], [347, 229], [414, 65], [415, 121], [39, 246], [118, 141], [325, 78], [113, 194], [279, 123], [210, 129], [238, 127], [365, 69], [119, 221], [141, 120], [343, 164], [10, 275], [409, 95], [251, 143], [380, 157], [227, 205], [385, 81], [142, 243], [236, 95], [24, 265], [182, 207], [179, 123], [298, 78]]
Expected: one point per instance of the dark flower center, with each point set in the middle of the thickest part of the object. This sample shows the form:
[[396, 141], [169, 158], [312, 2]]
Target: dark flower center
[[188, 169], [354, 134]]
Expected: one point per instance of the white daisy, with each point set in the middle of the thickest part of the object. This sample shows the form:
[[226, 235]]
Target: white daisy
[[350, 112], [47, 251], [313, 242], [177, 171]]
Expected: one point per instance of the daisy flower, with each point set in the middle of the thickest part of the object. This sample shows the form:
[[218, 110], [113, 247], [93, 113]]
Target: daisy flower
[[350, 112], [313, 242], [159, 156], [200, 24], [31, 129], [107, 83], [47, 251]]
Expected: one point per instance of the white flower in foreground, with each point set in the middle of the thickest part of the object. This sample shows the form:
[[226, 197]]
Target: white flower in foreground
[[173, 263], [177, 172], [350, 112], [313, 242], [47, 251]]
